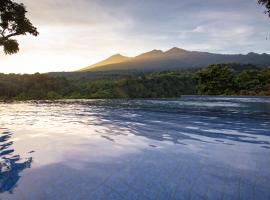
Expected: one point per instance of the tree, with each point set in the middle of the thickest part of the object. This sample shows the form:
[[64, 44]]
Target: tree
[[250, 80], [215, 80], [266, 3], [13, 22]]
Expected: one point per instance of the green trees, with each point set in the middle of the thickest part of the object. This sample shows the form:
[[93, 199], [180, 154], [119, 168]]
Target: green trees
[[224, 80], [42, 86], [212, 80], [157, 85], [215, 80], [249, 82], [13, 22], [35, 86], [53, 95]]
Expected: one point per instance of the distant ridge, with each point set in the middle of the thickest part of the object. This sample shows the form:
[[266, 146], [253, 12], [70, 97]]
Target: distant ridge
[[176, 58], [117, 58]]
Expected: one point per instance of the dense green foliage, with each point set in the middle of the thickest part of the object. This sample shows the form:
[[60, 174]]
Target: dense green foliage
[[217, 79], [37, 86], [43, 86], [212, 80], [155, 85], [13, 22], [225, 80]]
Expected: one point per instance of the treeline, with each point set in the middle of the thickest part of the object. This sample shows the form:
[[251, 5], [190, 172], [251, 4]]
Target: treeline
[[222, 79], [229, 80], [43, 86], [36, 86]]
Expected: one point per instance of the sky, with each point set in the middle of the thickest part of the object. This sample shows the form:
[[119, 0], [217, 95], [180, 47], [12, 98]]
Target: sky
[[75, 34]]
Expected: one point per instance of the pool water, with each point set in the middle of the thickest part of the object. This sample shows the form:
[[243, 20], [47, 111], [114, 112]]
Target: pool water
[[186, 148]]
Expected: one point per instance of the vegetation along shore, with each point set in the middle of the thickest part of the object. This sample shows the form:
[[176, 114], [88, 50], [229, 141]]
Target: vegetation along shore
[[221, 79]]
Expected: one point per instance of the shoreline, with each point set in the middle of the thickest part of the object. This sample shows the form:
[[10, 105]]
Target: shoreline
[[186, 97]]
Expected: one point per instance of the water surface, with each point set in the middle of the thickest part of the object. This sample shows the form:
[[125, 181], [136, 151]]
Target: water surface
[[189, 148]]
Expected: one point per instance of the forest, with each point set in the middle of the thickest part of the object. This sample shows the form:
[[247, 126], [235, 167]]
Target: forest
[[220, 79]]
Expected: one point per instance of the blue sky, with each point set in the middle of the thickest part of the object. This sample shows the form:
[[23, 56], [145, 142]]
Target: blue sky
[[75, 34]]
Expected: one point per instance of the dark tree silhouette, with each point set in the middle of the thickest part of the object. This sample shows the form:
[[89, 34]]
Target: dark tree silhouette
[[11, 164], [267, 5], [13, 22]]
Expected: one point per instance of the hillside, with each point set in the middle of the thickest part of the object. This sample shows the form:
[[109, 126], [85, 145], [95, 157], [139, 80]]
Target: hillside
[[177, 58], [118, 58]]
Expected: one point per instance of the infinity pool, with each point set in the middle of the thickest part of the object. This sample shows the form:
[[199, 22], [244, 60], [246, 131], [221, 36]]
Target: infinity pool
[[188, 148]]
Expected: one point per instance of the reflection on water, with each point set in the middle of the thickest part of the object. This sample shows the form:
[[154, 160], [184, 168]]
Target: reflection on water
[[190, 148], [10, 164]]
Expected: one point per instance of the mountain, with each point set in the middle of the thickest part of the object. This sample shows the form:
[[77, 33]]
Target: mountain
[[150, 55], [117, 58], [176, 58]]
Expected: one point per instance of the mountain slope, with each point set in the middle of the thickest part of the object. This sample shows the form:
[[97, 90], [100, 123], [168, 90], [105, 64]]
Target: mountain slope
[[117, 58], [177, 58]]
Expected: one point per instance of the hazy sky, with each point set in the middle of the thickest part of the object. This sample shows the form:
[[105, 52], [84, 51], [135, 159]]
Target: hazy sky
[[75, 34]]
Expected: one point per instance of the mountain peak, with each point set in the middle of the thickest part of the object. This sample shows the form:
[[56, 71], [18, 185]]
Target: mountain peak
[[114, 59], [151, 54], [252, 54], [175, 50], [117, 56], [156, 51]]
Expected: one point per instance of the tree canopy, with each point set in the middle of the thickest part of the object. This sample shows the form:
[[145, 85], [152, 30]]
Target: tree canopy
[[215, 80], [224, 79], [219, 79], [267, 5], [13, 22]]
